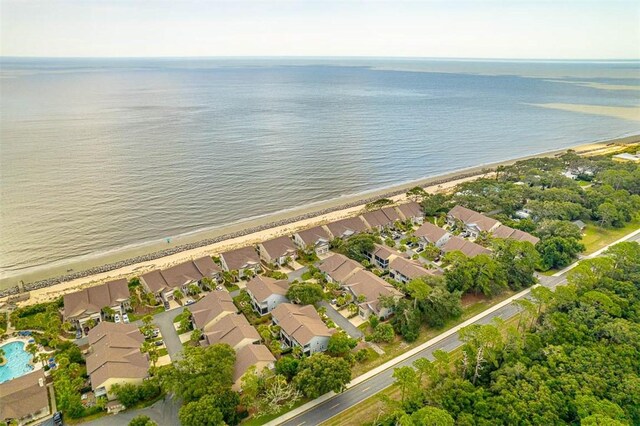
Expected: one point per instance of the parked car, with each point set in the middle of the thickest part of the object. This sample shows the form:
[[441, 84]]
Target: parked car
[[159, 343], [125, 318], [190, 302], [166, 306], [57, 419], [78, 334], [116, 318], [152, 334]]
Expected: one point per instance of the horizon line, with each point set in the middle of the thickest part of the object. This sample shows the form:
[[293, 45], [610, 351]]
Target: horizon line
[[452, 58]]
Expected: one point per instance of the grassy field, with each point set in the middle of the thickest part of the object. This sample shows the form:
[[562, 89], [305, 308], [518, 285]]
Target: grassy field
[[373, 407], [596, 237], [264, 419], [471, 308]]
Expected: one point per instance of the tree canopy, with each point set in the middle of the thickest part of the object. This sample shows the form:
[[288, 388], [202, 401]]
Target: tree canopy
[[574, 362], [320, 373]]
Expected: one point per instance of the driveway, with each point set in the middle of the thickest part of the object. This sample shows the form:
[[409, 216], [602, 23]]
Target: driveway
[[342, 322], [164, 321], [163, 412], [297, 274]]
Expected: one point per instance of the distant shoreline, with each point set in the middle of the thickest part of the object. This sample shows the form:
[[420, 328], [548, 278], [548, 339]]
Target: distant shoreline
[[243, 231]]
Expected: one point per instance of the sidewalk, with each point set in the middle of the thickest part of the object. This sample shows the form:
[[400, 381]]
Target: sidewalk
[[392, 363]]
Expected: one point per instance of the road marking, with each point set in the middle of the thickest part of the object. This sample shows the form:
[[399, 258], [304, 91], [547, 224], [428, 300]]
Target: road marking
[[300, 424], [334, 406], [366, 389]]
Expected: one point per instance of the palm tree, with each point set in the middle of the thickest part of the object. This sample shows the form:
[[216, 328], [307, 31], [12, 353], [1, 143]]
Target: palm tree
[[43, 357], [32, 348], [108, 311], [2, 353]]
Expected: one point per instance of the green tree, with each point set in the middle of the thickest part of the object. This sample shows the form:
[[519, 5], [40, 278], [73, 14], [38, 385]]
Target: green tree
[[201, 371], [340, 344], [142, 420], [305, 293], [108, 312], [320, 373], [558, 228], [202, 412], [383, 333], [358, 246], [432, 416], [406, 321], [287, 366], [178, 295], [436, 204], [558, 252], [407, 381], [519, 259]]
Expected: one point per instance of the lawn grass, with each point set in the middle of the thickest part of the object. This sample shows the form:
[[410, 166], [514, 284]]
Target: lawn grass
[[253, 421], [399, 346], [596, 237]]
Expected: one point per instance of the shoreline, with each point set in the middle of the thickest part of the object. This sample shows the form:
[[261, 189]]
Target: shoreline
[[46, 284]]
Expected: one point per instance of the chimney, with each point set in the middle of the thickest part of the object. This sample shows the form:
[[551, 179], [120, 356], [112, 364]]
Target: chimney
[[41, 382]]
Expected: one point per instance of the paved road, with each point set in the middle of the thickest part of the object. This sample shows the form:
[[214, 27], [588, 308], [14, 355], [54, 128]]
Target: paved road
[[355, 394], [341, 321]]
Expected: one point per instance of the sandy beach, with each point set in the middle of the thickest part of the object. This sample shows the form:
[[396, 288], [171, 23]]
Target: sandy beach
[[355, 203]]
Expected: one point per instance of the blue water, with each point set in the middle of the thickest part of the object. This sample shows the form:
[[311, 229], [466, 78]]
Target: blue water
[[17, 361], [97, 154]]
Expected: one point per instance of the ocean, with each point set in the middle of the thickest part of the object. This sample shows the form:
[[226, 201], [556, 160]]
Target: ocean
[[97, 154]]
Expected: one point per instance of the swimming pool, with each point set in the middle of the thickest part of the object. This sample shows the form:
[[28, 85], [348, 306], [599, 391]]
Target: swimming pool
[[17, 361]]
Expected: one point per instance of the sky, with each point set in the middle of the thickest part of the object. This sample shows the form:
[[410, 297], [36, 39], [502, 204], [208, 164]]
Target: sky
[[517, 29]]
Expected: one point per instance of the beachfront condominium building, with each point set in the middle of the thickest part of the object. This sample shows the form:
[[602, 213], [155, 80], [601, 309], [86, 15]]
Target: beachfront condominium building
[[24, 399], [316, 239], [243, 260], [211, 308], [428, 233], [381, 219], [115, 357], [301, 326], [474, 223], [504, 232], [267, 293], [468, 248], [337, 268], [345, 228], [248, 356], [234, 330], [163, 283], [381, 256], [411, 211], [88, 304], [278, 251], [365, 287], [404, 270]]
